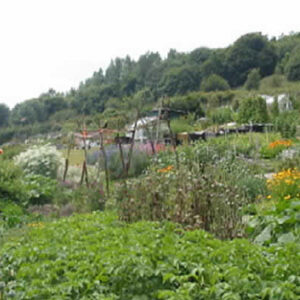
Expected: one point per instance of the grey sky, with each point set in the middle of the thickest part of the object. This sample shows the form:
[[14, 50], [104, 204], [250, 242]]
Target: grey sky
[[58, 43]]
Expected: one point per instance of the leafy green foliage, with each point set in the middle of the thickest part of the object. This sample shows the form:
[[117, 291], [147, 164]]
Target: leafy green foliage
[[180, 81], [280, 224], [286, 123], [292, 68], [181, 125], [253, 110], [40, 189], [4, 114], [253, 80], [11, 215], [97, 257], [271, 82], [221, 115], [214, 83], [12, 187], [250, 51]]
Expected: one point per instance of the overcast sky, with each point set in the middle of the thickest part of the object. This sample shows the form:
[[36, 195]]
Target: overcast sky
[[58, 43]]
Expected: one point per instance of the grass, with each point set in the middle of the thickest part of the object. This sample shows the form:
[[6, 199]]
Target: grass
[[76, 155]]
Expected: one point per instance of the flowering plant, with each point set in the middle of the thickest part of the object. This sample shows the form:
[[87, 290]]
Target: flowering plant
[[281, 144], [285, 184], [165, 170], [274, 148], [40, 160]]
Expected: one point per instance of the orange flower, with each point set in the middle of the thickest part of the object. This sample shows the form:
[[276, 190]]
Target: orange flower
[[1, 151], [166, 169], [285, 143]]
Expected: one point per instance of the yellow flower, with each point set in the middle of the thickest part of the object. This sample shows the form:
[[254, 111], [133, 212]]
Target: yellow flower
[[269, 196], [39, 224], [288, 197]]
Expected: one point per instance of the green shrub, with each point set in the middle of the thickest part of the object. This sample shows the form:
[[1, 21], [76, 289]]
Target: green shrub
[[253, 110], [253, 80], [40, 189], [214, 83], [11, 151], [181, 125], [12, 187], [221, 115], [11, 214], [271, 82], [286, 123], [292, 68]]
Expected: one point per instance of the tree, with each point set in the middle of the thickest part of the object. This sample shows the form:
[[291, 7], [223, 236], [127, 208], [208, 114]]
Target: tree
[[4, 114], [145, 65], [200, 55], [180, 80], [253, 110], [253, 80], [292, 68], [29, 112], [53, 102], [250, 51], [275, 108], [215, 64], [285, 45], [214, 83]]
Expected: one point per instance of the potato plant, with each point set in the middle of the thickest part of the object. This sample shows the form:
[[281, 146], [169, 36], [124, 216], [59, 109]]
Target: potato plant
[[96, 256]]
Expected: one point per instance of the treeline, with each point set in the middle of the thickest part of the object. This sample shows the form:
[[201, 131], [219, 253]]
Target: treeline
[[250, 58]]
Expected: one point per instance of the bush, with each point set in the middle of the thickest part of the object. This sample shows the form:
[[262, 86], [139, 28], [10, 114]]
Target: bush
[[40, 160], [214, 83], [253, 110], [271, 82], [253, 80], [12, 187], [40, 189], [181, 125], [292, 68], [221, 115], [12, 150], [286, 123], [11, 214]]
